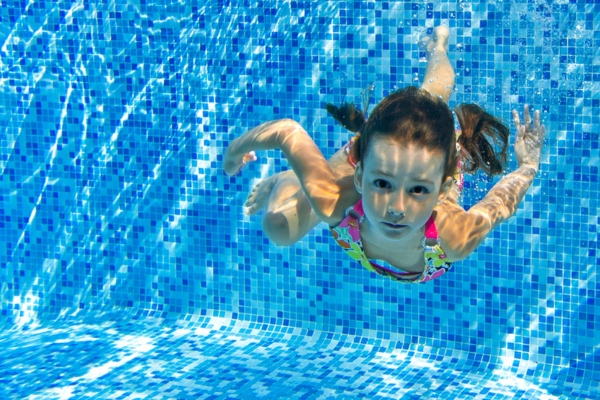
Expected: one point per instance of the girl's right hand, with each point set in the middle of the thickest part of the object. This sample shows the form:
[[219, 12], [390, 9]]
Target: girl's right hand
[[265, 136], [530, 139], [233, 165]]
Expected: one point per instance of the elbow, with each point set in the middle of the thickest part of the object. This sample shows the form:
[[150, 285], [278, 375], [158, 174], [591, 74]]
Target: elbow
[[464, 251], [479, 226]]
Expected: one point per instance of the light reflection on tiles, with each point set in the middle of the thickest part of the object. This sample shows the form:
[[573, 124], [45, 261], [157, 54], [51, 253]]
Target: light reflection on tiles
[[218, 358], [112, 128]]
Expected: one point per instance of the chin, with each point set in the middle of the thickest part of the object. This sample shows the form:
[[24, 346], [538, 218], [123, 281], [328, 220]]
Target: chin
[[396, 234]]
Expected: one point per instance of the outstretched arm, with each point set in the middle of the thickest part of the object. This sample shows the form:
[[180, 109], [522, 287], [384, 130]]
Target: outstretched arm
[[503, 200], [310, 166]]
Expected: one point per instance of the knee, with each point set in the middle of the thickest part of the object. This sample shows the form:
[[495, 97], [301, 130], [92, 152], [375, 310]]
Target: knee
[[277, 229]]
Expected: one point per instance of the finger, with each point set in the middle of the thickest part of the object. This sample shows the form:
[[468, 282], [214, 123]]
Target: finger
[[520, 128], [241, 166], [538, 127], [527, 117], [516, 119], [537, 120], [541, 133], [239, 169]]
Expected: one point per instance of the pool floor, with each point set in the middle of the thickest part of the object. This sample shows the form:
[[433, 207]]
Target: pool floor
[[216, 358]]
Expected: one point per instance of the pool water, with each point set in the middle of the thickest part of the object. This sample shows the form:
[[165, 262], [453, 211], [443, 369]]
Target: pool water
[[128, 269]]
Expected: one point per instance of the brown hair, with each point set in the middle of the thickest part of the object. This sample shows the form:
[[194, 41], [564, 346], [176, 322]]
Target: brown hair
[[413, 116]]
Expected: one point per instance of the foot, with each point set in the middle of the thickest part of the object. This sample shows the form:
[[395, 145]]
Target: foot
[[437, 41], [258, 199]]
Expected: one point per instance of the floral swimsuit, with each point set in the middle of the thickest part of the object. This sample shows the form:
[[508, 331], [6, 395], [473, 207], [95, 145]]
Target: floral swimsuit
[[347, 235]]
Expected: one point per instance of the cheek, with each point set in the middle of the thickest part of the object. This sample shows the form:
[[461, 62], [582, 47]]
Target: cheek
[[420, 210], [374, 204]]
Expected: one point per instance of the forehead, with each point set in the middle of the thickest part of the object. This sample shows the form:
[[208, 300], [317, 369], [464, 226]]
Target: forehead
[[392, 157]]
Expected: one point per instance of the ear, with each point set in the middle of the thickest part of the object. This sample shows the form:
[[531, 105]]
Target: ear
[[445, 189], [358, 174]]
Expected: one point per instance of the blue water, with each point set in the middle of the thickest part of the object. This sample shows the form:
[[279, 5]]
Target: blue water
[[128, 269]]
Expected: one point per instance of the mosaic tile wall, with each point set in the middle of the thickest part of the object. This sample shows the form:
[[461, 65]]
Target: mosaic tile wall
[[114, 117]]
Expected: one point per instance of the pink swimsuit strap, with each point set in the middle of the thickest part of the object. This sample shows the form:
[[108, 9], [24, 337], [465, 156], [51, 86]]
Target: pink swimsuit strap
[[430, 229]]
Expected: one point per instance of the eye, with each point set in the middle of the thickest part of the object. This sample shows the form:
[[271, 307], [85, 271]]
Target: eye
[[382, 184], [420, 190]]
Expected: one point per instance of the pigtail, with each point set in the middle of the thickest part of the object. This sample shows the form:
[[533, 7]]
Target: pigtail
[[347, 115], [483, 140]]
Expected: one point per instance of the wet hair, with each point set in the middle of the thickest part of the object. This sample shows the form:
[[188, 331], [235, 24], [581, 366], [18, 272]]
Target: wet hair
[[348, 115], [413, 116]]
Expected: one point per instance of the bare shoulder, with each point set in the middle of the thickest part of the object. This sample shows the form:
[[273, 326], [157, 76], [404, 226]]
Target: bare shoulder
[[348, 198], [460, 231], [344, 174]]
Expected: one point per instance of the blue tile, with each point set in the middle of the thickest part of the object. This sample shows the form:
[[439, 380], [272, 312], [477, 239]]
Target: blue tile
[[113, 201]]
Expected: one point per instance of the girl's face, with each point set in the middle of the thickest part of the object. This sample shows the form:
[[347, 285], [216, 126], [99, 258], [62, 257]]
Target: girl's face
[[400, 186]]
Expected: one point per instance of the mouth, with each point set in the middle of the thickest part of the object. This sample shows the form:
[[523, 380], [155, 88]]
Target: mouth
[[394, 226]]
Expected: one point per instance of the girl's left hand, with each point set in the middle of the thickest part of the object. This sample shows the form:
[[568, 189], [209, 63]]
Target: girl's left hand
[[530, 139]]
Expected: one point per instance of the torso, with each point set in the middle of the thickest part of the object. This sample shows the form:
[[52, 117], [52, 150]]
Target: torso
[[413, 260]]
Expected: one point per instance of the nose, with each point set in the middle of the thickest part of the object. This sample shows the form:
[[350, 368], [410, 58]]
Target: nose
[[396, 206], [396, 213]]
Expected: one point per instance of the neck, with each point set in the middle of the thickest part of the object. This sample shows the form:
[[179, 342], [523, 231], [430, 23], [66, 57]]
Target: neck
[[373, 239]]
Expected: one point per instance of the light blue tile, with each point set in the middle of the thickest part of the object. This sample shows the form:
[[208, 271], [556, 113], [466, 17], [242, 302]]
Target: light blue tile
[[114, 207]]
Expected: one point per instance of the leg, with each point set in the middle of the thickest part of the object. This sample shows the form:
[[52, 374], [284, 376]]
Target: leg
[[289, 215], [439, 76]]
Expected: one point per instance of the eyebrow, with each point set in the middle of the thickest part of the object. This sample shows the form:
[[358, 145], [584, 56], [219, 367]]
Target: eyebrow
[[420, 180]]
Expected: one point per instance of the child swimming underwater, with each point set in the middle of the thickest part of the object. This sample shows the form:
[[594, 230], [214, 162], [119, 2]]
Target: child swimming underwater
[[392, 193]]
